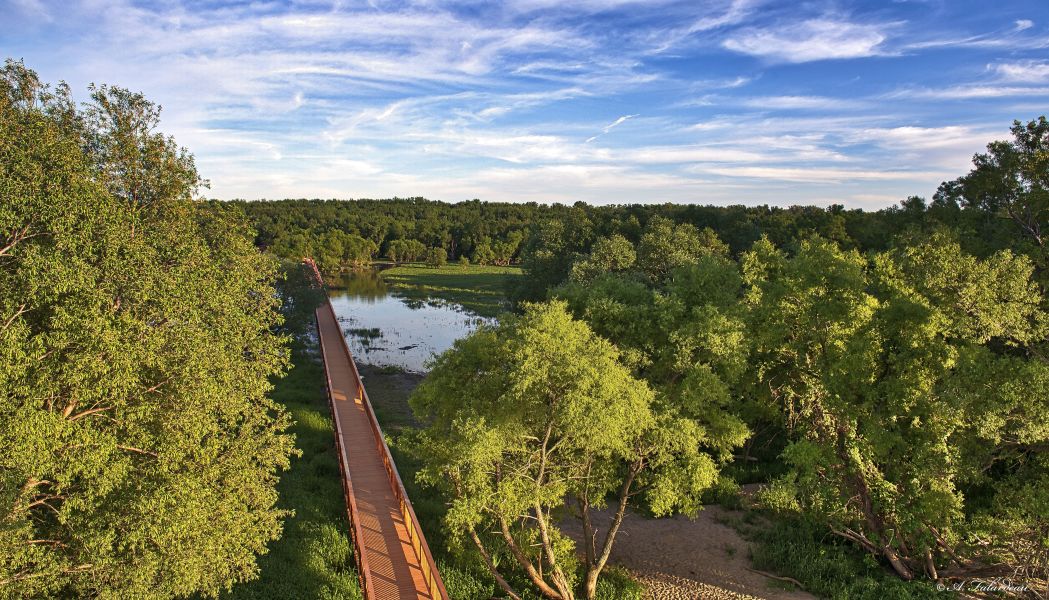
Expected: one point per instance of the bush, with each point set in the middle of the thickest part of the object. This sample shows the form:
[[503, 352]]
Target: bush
[[465, 584], [724, 492], [436, 257], [780, 496], [617, 584]]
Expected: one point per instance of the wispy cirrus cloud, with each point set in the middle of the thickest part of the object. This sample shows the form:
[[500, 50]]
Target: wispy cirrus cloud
[[810, 40], [1024, 71], [971, 92], [742, 101]]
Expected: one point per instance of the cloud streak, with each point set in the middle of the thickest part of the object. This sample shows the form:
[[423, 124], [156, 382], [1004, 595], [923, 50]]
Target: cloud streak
[[743, 101]]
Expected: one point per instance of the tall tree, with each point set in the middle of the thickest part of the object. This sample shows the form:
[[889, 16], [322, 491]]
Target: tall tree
[[138, 450], [1011, 180], [897, 376], [537, 410]]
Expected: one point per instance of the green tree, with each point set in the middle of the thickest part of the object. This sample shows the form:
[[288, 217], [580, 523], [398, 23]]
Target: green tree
[[665, 246], [395, 249], [898, 377], [138, 449], [1011, 181], [436, 257], [483, 253], [609, 255], [539, 409]]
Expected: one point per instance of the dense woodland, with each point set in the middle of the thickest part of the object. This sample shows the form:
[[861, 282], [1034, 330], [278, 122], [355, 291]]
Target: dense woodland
[[884, 375]]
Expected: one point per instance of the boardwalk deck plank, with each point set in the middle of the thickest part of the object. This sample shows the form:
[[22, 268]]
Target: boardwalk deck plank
[[394, 569]]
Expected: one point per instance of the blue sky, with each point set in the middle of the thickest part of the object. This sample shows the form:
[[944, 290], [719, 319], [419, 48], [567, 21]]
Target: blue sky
[[740, 102]]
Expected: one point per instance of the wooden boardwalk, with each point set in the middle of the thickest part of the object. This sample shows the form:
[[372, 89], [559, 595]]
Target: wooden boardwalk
[[392, 557]]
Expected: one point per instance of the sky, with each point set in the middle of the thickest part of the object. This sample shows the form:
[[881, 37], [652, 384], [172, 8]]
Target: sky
[[606, 101]]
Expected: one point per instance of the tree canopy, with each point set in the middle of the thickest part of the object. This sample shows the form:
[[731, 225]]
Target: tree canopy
[[138, 450], [539, 409]]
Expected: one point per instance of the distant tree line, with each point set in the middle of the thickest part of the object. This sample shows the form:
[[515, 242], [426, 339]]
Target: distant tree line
[[548, 238]]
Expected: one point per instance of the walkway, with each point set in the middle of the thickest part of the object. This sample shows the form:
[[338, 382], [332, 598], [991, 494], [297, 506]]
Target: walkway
[[389, 547]]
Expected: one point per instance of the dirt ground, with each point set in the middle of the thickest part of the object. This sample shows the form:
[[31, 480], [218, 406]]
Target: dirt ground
[[678, 558]]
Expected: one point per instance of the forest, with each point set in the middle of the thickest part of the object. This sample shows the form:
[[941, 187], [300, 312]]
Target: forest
[[883, 376]]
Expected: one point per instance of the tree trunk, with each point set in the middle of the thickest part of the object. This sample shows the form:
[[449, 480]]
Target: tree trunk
[[491, 566], [556, 574], [529, 568], [594, 568]]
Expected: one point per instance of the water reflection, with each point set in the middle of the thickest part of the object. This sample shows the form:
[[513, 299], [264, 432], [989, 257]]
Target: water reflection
[[365, 285], [383, 329]]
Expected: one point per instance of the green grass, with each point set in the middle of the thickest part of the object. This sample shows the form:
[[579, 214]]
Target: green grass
[[824, 565], [313, 558], [479, 289]]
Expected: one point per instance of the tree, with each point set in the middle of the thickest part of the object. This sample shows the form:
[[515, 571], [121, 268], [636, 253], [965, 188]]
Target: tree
[[436, 257], [665, 246], [138, 450], [1010, 181], [395, 249], [899, 377], [483, 253], [609, 255], [539, 409]]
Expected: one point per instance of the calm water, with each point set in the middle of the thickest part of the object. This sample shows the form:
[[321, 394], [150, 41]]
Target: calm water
[[383, 329]]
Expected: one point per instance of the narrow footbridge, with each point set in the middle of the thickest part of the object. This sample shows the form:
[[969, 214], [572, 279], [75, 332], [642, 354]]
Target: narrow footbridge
[[392, 557]]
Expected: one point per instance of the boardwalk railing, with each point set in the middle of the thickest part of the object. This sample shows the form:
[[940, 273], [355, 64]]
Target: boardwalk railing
[[434, 583]]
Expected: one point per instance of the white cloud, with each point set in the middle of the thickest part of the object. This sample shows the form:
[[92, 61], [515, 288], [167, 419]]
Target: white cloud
[[1023, 24], [814, 39], [816, 175], [618, 122], [971, 92], [799, 103], [1026, 71]]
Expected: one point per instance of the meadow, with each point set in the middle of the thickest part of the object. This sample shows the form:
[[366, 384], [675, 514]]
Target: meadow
[[479, 288]]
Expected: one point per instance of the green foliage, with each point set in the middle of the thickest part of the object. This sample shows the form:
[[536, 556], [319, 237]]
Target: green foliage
[[886, 374], [466, 584], [538, 409], [609, 255], [617, 584], [665, 246], [138, 450], [337, 249], [799, 549], [1010, 181], [436, 257], [405, 250]]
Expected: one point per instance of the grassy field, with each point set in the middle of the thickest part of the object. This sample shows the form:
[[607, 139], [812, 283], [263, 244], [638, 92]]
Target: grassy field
[[480, 289]]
